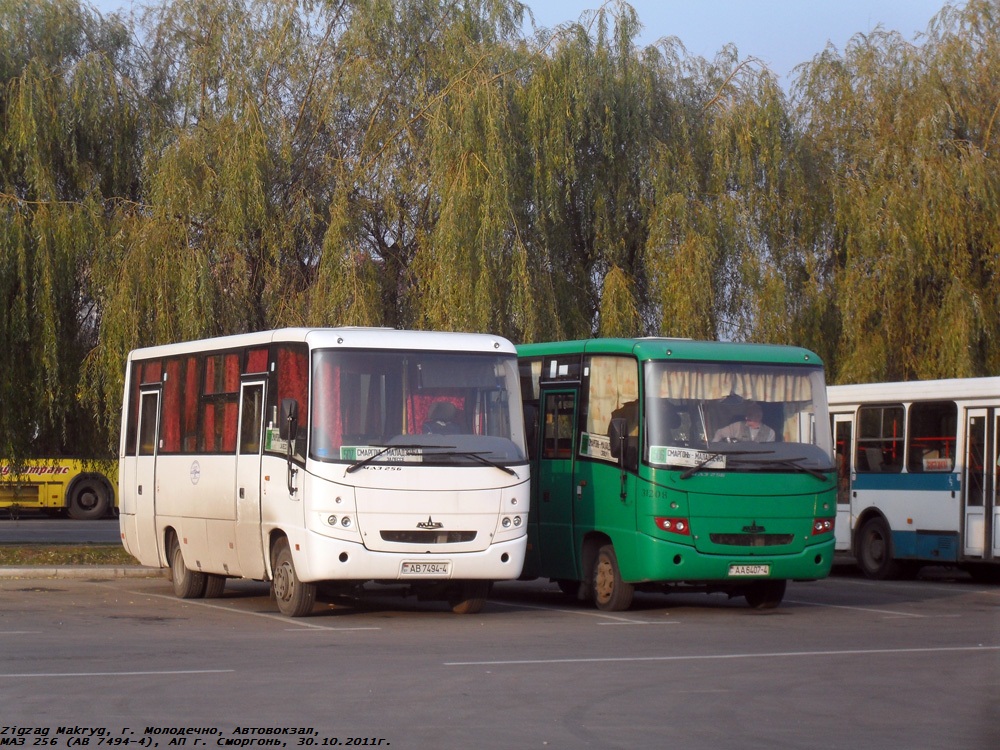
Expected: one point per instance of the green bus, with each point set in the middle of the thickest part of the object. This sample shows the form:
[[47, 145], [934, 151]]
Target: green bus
[[675, 465]]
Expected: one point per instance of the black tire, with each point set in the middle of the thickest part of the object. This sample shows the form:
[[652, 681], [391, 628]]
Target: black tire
[[469, 597], [766, 594], [610, 592], [294, 598], [984, 572], [874, 550], [215, 585], [569, 587], [188, 584], [89, 499]]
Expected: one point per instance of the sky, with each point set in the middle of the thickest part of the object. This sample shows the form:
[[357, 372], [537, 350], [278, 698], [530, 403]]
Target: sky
[[780, 33]]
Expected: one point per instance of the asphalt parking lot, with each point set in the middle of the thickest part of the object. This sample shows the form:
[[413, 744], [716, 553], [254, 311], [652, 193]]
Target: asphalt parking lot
[[843, 662]]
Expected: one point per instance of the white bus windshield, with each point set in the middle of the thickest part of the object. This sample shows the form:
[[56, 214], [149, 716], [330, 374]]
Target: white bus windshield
[[716, 416], [377, 407]]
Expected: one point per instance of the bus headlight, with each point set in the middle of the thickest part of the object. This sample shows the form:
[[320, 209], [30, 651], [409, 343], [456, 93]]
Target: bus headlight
[[346, 522], [822, 526], [505, 522]]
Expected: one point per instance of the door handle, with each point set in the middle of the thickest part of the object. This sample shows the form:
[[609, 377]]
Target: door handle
[[140, 489], [243, 494]]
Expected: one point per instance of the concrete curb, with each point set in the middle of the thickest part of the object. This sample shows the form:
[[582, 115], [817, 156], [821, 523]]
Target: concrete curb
[[82, 571]]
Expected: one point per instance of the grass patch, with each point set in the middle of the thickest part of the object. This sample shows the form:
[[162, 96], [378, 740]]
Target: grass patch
[[21, 555]]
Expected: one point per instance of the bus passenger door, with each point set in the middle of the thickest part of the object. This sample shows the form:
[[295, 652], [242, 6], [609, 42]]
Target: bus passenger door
[[145, 475], [994, 469], [977, 483], [556, 497], [249, 543], [843, 427]]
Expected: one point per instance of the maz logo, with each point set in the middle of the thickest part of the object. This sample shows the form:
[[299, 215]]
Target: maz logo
[[753, 528], [430, 523]]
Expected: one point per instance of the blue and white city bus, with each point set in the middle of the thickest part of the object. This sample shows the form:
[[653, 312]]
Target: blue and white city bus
[[917, 465]]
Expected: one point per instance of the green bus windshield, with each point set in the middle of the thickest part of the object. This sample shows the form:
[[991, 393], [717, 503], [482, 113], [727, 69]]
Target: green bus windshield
[[741, 417]]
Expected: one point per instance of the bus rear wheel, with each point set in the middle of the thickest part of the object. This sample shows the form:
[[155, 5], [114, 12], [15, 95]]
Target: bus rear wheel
[[188, 584], [874, 553], [766, 594], [215, 585], [294, 598], [88, 500], [611, 593]]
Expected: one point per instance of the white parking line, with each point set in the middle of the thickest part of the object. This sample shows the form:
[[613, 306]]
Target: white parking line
[[28, 675], [616, 619], [300, 625], [890, 612], [711, 657]]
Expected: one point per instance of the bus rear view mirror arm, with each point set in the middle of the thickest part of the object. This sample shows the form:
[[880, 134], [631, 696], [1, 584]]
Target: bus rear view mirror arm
[[289, 427]]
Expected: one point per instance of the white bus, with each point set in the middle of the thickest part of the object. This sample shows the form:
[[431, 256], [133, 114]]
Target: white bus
[[327, 457], [917, 467]]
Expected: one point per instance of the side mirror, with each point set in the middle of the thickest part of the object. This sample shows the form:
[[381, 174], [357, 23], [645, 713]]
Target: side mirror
[[289, 422], [618, 433]]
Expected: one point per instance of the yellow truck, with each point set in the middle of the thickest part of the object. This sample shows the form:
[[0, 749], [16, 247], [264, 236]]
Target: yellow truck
[[85, 488]]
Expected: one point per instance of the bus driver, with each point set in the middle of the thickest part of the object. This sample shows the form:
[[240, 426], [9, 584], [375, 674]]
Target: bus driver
[[750, 430]]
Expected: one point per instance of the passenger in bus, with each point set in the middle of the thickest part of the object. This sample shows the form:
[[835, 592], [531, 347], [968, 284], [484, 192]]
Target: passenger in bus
[[442, 419], [749, 430]]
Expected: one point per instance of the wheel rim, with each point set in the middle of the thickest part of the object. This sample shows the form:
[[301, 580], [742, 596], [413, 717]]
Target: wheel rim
[[87, 500], [875, 548], [284, 583], [604, 580]]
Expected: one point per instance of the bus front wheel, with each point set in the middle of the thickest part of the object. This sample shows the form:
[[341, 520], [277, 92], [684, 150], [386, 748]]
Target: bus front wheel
[[766, 594], [874, 553], [294, 598], [611, 593], [188, 584], [88, 500], [469, 597]]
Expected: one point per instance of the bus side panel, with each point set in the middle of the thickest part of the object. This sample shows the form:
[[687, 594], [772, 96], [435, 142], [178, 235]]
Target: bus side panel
[[601, 510], [196, 497], [921, 509]]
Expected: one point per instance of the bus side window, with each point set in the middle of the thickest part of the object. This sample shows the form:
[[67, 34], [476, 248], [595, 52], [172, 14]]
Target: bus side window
[[933, 429], [880, 439]]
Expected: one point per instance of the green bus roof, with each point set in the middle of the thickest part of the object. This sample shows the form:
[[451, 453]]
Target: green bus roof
[[682, 350]]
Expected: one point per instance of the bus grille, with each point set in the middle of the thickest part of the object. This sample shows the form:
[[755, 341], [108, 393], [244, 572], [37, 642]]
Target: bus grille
[[751, 540], [428, 537]]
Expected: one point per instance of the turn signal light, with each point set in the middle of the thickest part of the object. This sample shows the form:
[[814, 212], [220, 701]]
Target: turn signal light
[[822, 526], [674, 525]]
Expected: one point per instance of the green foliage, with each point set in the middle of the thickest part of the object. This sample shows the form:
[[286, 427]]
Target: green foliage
[[423, 164]]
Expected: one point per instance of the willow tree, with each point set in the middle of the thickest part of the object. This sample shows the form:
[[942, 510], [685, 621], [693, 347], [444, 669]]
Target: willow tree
[[68, 147], [907, 135], [776, 264], [684, 254], [420, 230], [586, 114]]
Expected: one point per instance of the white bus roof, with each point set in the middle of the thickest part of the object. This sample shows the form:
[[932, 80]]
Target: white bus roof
[[915, 390], [346, 337]]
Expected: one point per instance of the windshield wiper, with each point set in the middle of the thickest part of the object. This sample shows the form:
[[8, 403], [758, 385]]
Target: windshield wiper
[[702, 464], [475, 455], [385, 449], [794, 463]]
